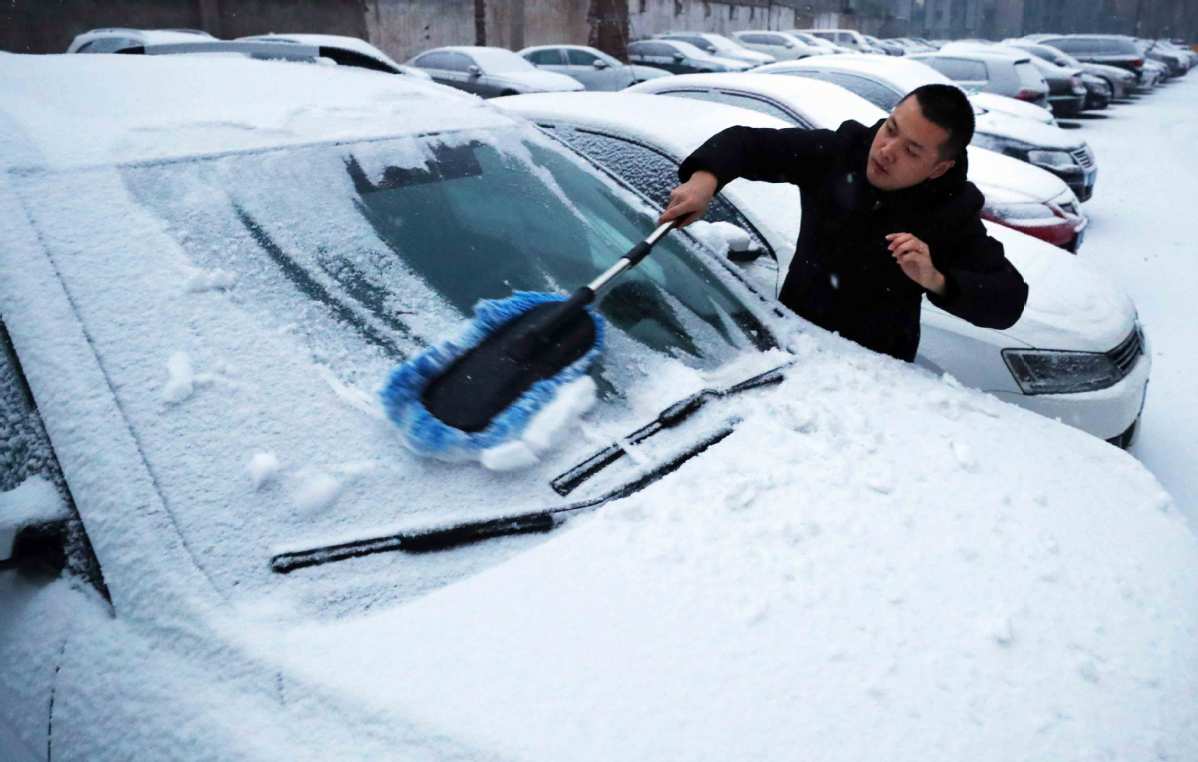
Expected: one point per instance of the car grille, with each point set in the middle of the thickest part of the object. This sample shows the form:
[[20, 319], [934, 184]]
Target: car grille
[[1125, 355], [1083, 156]]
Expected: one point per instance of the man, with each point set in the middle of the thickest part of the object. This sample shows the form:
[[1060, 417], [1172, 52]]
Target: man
[[887, 217]]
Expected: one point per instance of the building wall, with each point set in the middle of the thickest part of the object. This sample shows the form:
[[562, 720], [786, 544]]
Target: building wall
[[649, 17]]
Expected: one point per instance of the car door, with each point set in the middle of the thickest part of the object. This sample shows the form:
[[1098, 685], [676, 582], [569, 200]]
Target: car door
[[440, 65], [549, 59], [581, 65]]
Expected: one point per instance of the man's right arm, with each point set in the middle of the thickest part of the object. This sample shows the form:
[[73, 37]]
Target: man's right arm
[[790, 155]]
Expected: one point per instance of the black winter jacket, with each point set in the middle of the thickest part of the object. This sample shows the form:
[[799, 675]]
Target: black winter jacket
[[843, 276]]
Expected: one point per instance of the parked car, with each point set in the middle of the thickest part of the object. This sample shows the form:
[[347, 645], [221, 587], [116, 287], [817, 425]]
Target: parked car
[[992, 72], [720, 46], [886, 46], [679, 57], [592, 67], [488, 71], [884, 84], [1120, 81], [1177, 61], [1111, 50], [849, 39], [345, 51], [643, 143], [1066, 91], [122, 39], [781, 45], [1018, 195], [194, 313], [828, 48]]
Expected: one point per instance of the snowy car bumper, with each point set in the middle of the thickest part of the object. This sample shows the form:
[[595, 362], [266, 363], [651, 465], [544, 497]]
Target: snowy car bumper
[[1108, 413]]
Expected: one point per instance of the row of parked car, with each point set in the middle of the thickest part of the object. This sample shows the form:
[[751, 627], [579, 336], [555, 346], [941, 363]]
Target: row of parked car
[[291, 229]]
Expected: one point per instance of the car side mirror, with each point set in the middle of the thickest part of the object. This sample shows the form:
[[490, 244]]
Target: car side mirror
[[600, 63], [33, 528], [474, 71], [788, 44], [679, 57]]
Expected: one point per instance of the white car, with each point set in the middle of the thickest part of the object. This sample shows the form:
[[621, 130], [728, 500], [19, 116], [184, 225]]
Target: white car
[[197, 302], [346, 51], [720, 46], [123, 39], [781, 45], [885, 81], [489, 71], [1076, 354], [592, 67], [1018, 195]]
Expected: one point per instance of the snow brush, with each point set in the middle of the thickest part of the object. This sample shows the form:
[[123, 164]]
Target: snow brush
[[473, 397]]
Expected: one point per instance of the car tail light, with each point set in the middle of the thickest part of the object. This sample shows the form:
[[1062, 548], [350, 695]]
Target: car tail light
[[1136, 64], [1027, 95]]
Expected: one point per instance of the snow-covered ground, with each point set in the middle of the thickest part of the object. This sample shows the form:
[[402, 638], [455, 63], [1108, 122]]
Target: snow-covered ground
[[1142, 232]]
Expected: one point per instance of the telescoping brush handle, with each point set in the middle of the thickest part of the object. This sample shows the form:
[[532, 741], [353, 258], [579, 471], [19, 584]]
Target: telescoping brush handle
[[546, 331]]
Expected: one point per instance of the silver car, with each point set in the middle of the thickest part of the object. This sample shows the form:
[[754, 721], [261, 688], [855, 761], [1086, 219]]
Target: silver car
[[490, 71], [595, 69], [780, 45], [719, 45], [991, 72]]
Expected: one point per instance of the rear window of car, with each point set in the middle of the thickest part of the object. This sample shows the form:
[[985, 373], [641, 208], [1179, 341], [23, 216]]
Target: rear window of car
[[882, 96], [740, 100], [959, 69], [547, 57]]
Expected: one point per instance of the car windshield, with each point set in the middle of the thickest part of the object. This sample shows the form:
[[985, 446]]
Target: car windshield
[[285, 284], [498, 61]]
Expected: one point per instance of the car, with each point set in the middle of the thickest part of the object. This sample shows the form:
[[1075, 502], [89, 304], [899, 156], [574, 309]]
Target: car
[[1066, 90], [781, 45], [121, 39], [592, 67], [850, 39], [194, 314], [1177, 61], [489, 71], [1121, 82], [720, 46], [345, 51], [679, 57], [826, 47], [1044, 145], [1020, 196], [889, 47], [991, 72], [1110, 50]]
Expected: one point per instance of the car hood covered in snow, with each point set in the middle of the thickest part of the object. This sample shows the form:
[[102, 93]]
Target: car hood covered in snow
[[874, 565]]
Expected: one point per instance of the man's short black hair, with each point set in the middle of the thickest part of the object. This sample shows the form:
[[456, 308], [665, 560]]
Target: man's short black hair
[[947, 107]]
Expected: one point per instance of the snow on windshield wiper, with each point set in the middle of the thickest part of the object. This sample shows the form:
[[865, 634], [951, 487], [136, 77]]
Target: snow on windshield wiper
[[444, 538], [566, 482]]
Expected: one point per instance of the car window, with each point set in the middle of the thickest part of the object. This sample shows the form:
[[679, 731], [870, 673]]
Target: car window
[[959, 69], [26, 453], [108, 45], [741, 100], [546, 57], [653, 49], [319, 268], [434, 60], [577, 57], [651, 172], [882, 96], [761, 39]]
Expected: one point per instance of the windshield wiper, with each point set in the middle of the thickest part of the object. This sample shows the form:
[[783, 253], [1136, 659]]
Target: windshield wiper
[[566, 482], [444, 538]]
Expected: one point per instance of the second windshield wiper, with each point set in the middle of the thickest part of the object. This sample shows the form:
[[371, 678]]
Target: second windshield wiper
[[566, 482]]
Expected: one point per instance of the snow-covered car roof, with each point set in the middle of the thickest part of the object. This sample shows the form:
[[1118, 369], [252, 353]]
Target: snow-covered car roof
[[905, 74], [345, 42], [201, 113]]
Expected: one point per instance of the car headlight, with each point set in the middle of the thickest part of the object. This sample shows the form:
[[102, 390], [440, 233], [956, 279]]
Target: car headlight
[[1054, 159], [1040, 371]]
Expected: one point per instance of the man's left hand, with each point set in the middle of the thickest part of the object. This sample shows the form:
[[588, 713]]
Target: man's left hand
[[914, 257]]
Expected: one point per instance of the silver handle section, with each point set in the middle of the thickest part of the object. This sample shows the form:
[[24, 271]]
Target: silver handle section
[[624, 263]]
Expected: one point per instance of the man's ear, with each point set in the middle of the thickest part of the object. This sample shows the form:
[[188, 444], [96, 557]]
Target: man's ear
[[941, 168]]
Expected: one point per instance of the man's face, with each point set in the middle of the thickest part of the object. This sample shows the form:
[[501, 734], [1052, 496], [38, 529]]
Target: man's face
[[906, 150]]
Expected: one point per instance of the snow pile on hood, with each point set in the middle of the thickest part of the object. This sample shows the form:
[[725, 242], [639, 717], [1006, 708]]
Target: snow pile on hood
[[922, 584]]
